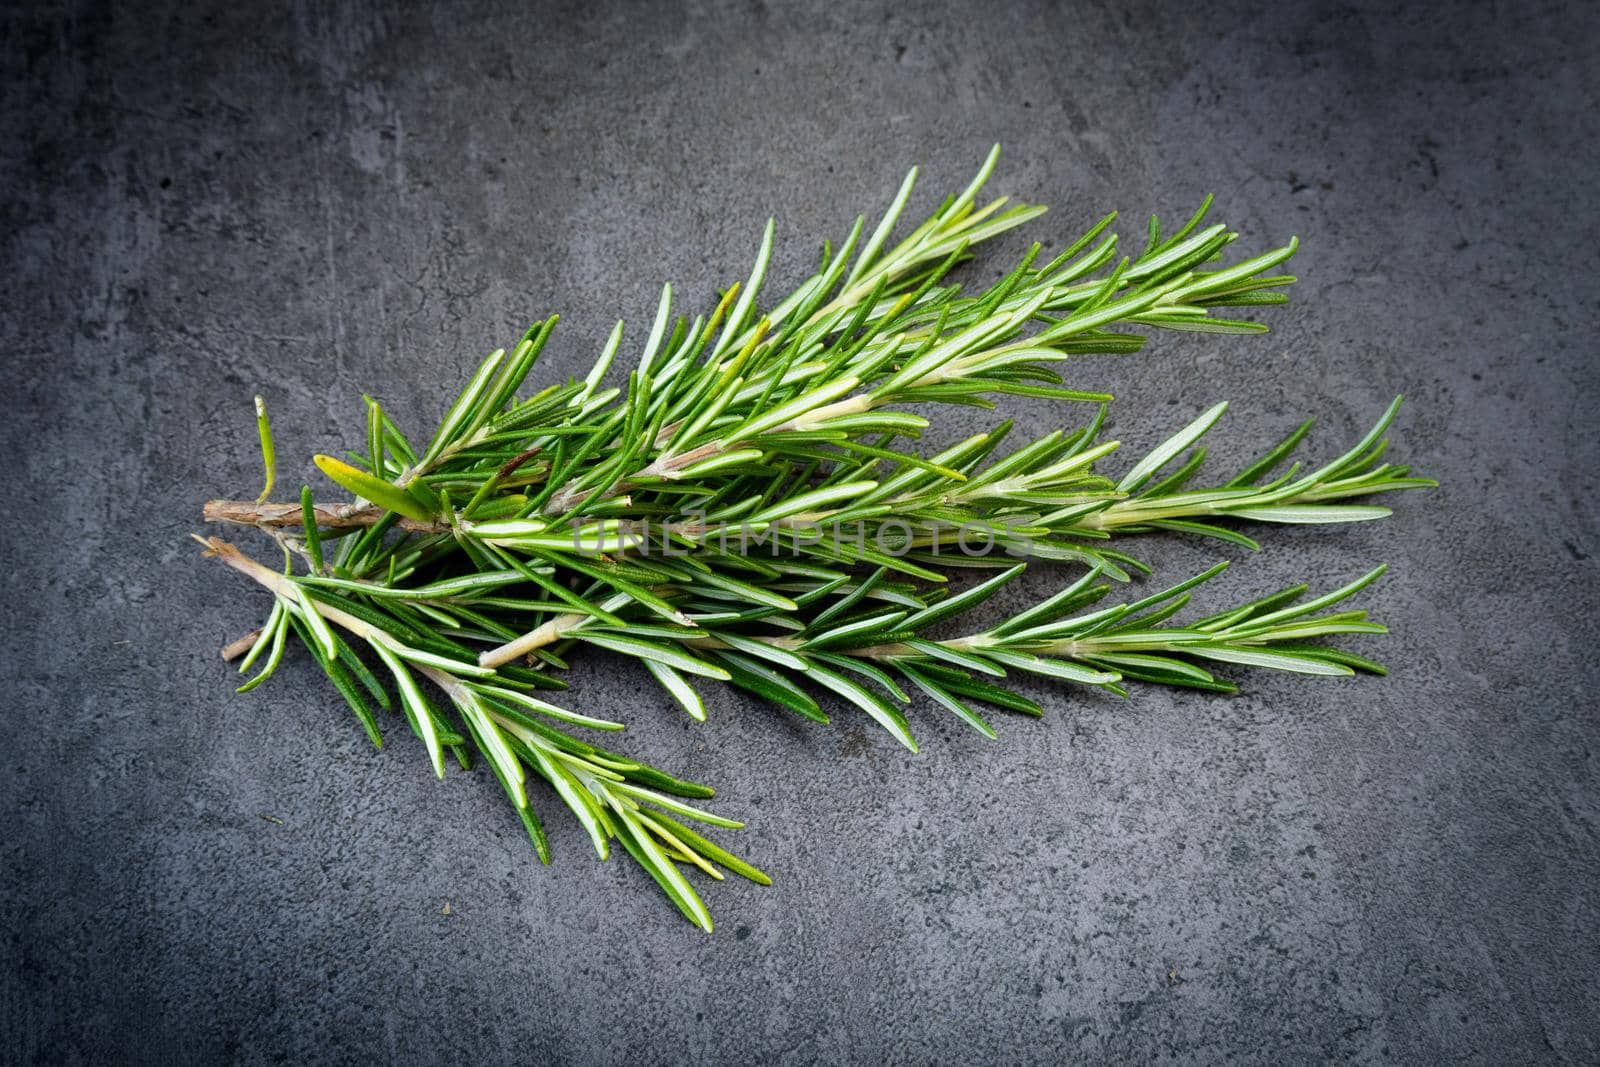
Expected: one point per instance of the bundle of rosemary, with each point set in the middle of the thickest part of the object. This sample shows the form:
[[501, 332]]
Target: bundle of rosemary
[[750, 508]]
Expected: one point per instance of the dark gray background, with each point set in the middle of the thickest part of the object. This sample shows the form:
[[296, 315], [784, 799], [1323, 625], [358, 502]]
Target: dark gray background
[[199, 205]]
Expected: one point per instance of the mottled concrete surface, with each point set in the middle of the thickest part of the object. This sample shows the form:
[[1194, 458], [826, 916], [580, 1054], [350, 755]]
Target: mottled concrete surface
[[199, 206]]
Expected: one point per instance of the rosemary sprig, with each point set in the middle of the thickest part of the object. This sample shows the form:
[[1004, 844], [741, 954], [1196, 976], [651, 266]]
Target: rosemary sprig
[[612, 796], [751, 508]]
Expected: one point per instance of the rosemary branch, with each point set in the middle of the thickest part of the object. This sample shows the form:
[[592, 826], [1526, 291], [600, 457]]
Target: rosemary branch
[[751, 508]]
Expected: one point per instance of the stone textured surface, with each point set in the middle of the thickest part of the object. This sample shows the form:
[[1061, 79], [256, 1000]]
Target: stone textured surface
[[202, 202]]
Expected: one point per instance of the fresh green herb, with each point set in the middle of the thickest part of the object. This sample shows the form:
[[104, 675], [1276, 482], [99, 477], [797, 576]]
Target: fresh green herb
[[751, 507]]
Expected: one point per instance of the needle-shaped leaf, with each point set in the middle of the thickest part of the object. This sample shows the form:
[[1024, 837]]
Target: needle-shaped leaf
[[674, 805], [710, 849], [815, 500], [464, 412], [1311, 513], [761, 650], [855, 629], [962, 601], [794, 409], [652, 650], [315, 624], [887, 715], [493, 745], [674, 683], [637, 840], [414, 703], [269, 451], [275, 632], [1054, 668], [1173, 446], [756, 677], [948, 699], [1279, 661], [364, 485], [508, 701]]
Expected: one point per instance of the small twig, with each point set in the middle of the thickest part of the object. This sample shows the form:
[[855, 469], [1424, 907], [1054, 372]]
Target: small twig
[[514, 462], [234, 649], [329, 516], [279, 583], [547, 633]]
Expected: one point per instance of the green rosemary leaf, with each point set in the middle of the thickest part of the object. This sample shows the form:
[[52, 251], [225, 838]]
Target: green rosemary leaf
[[313, 534], [812, 501], [886, 714], [279, 630], [269, 452], [650, 776], [510, 704], [1071, 672], [755, 677], [1311, 513], [976, 689], [962, 601], [497, 752], [1080, 593], [1299, 663], [1160, 456], [415, 705], [265, 638], [321, 636], [711, 850], [1344, 592], [1149, 664], [862, 667], [965, 660], [368, 487], [611, 576], [347, 688], [650, 650], [674, 805], [945, 697], [872, 626], [1203, 529], [648, 854], [1337, 655], [674, 683], [535, 829], [467, 410], [761, 650]]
